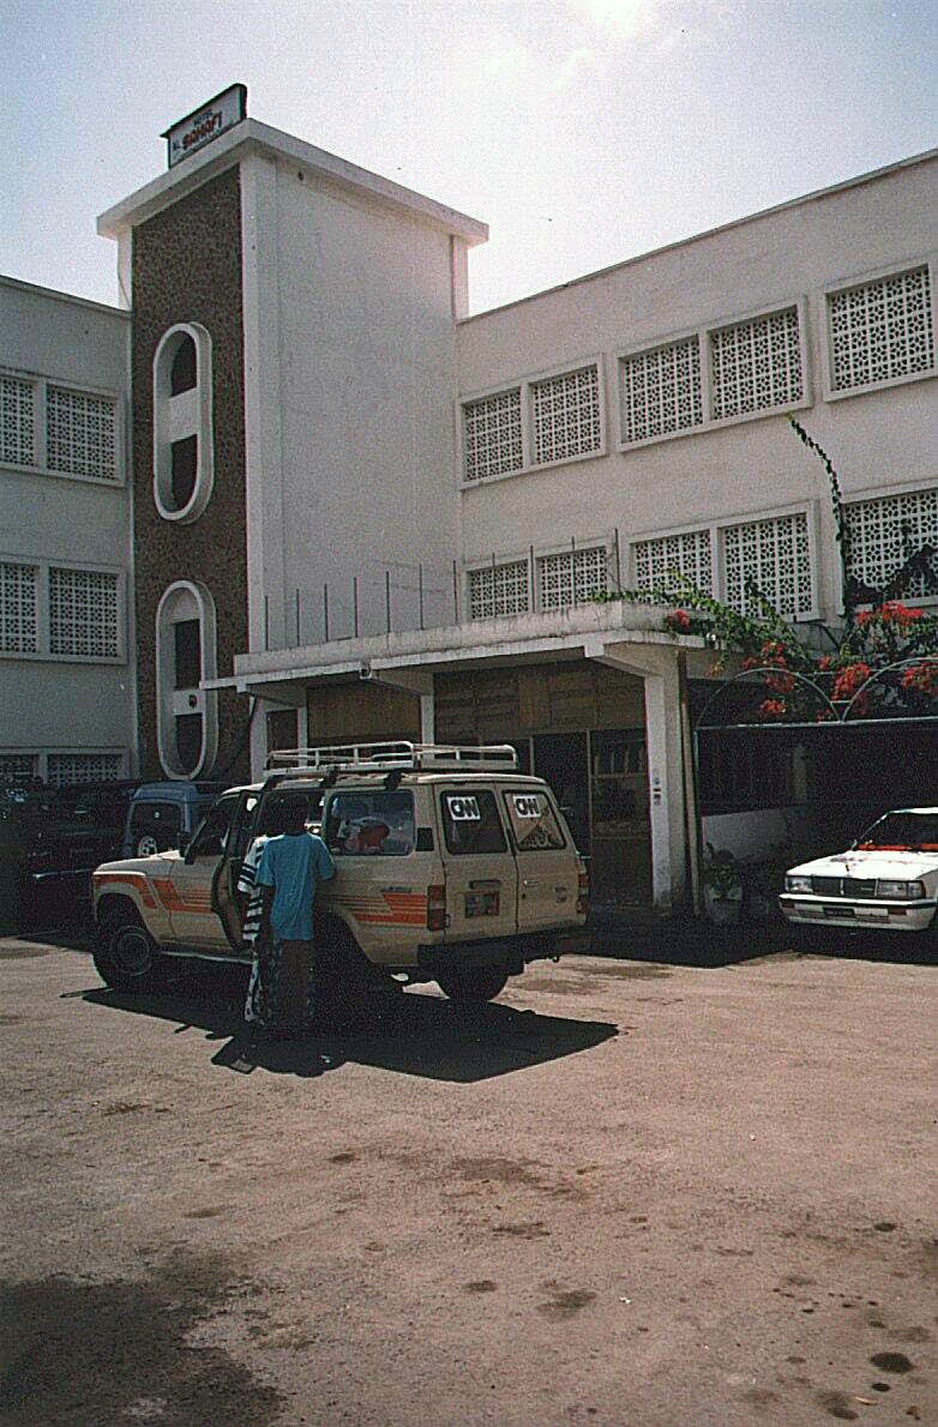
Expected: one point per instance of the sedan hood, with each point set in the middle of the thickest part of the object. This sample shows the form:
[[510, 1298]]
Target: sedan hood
[[898, 866]]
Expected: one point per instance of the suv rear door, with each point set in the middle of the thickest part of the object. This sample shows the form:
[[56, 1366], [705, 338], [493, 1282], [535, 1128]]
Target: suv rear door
[[548, 865], [481, 871]]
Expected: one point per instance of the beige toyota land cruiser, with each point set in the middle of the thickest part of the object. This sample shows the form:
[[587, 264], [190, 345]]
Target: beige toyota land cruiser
[[451, 867]]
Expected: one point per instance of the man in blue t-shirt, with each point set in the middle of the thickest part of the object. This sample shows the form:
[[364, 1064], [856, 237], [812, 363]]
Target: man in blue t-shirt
[[291, 865]]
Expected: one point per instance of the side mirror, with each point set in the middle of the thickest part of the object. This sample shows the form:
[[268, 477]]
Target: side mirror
[[183, 840]]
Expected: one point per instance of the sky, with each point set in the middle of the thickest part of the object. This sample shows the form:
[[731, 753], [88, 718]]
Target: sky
[[583, 132]]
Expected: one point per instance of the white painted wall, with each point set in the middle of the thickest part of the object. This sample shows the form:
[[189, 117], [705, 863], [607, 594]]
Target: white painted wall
[[350, 347], [876, 441], [54, 704]]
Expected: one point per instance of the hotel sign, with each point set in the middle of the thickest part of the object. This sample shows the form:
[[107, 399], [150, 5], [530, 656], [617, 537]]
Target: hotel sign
[[205, 124]]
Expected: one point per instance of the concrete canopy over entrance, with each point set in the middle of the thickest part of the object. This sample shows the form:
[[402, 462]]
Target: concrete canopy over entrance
[[617, 636]]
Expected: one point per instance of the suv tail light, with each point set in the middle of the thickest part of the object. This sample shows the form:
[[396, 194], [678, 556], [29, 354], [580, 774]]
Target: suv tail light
[[583, 894], [436, 908]]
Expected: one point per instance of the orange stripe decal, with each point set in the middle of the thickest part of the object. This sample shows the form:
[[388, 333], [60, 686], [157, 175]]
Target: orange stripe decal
[[196, 904], [137, 881], [407, 909]]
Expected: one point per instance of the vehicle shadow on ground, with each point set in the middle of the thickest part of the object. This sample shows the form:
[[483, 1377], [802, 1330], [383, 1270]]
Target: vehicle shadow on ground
[[693, 941], [422, 1034]]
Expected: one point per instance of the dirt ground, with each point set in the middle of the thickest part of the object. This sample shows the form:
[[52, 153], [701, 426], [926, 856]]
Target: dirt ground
[[632, 1191]]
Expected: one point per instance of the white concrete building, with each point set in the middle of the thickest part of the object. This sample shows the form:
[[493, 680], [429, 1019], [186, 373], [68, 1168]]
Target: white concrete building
[[634, 422], [387, 520], [66, 631]]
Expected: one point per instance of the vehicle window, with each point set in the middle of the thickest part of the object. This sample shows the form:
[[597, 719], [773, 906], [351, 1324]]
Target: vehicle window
[[903, 832], [268, 813], [154, 827], [212, 833], [471, 823], [375, 823], [243, 831], [532, 821]]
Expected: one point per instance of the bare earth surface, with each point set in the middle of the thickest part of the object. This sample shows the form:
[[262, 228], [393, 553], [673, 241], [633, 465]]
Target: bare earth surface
[[627, 1193]]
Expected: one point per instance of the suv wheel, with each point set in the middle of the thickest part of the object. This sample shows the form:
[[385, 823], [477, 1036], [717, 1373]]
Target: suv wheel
[[350, 991], [125, 955], [470, 985]]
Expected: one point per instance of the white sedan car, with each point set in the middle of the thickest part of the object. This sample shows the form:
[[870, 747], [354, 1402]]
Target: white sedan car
[[888, 879]]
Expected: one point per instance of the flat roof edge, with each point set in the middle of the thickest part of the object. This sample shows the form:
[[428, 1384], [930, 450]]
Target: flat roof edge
[[37, 289], [813, 197], [250, 135]]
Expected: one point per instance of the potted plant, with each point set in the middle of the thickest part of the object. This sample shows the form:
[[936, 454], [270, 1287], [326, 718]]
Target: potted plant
[[723, 888]]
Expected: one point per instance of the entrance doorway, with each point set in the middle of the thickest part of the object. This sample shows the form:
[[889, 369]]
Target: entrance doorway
[[562, 760], [600, 778], [621, 824]]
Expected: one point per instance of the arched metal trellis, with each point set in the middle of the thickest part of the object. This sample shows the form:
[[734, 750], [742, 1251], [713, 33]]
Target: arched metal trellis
[[816, 709], [829, 711]]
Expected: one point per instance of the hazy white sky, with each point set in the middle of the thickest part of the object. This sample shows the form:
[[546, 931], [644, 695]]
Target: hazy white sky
[[583, 132]]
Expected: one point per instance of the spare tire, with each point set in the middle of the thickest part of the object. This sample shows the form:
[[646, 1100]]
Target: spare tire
[[471, 985]]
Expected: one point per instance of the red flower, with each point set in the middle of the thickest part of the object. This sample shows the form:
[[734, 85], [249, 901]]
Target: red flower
[[922, 679], [773, 652], [824, 663], [780, 683], [898, 613], [849, 680], [772, 708], [678, 621], [892, 612]]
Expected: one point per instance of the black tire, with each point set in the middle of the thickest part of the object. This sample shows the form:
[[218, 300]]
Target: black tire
[[125, 955], [350, 991], [472, 985]]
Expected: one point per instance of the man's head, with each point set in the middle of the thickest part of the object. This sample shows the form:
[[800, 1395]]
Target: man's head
[[295, 813], [285, 815]]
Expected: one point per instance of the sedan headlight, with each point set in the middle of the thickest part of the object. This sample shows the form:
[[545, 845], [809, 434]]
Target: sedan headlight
[[900, 891], [796, 883]]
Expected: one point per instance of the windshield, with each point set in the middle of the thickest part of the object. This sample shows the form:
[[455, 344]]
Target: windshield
[[902, 832]]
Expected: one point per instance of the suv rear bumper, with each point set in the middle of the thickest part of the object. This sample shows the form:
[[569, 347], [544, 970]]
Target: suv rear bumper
[[511, 952]]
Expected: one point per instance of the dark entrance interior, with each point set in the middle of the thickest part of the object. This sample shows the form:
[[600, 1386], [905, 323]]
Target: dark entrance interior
[[600, 778]]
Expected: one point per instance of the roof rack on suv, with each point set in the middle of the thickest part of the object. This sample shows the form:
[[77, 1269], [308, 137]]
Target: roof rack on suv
[[383, 757]]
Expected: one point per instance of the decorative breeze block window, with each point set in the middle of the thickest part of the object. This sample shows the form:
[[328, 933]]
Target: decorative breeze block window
[[81, 435], [572, 577], [687, 555], [19, 609], [756, 365], [775, 555], [493, 439], [65, 768], [17, 421], [83, 613], [881, 330], [17, 768], [56, 429], [566, 416], [661, 391], [499, 590], [536, 423], [885, 533]]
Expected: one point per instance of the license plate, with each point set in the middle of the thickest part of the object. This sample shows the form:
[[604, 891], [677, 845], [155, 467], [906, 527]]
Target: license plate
[[845, 913], [482, 904]]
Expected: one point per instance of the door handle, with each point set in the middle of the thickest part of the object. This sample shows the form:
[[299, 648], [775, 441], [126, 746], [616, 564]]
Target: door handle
[[530, 882]]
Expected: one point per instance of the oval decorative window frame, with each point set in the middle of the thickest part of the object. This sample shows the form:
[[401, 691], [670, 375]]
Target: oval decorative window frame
[[192, 599], [176, 418]]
